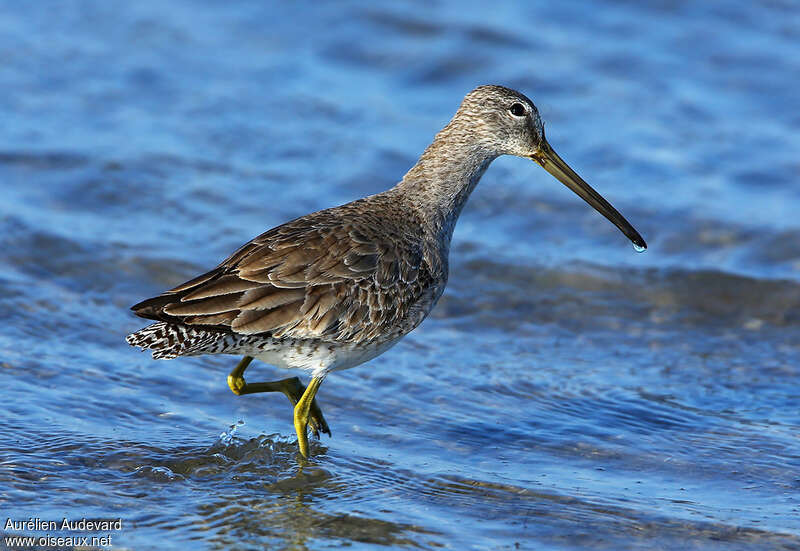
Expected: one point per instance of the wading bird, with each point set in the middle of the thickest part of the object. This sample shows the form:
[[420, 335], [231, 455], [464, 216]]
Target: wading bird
[[333, 289]]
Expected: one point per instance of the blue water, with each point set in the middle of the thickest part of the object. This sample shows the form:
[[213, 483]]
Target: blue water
[[567, 393]]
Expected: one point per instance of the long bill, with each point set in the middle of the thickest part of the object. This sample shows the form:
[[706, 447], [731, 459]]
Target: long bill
[[556, 166]]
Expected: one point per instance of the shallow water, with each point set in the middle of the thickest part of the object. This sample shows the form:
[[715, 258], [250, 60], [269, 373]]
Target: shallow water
[[566, 393]]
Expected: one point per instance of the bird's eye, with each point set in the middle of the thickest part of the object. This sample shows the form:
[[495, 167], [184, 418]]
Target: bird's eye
[[518, 110]]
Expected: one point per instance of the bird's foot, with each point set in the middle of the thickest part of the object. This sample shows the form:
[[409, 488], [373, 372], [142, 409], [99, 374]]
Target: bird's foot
[[303, 415]]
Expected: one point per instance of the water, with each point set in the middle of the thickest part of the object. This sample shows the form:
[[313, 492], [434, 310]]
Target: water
[[565, 394]]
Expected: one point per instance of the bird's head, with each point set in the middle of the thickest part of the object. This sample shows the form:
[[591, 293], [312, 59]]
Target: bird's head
[[502, 121]]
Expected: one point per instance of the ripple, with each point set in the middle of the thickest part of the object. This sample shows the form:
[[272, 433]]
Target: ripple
[[55, 160]]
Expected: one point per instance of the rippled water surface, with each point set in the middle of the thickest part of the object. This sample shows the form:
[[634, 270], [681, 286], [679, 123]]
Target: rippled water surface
[[566, 393]]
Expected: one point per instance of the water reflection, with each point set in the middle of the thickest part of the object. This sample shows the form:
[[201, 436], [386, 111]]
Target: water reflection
[[256, 493]]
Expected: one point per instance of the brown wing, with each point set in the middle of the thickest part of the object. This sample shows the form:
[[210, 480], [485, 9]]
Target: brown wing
[[320, 276]]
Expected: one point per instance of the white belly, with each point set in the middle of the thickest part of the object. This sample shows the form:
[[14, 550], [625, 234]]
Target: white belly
[[319, 358]]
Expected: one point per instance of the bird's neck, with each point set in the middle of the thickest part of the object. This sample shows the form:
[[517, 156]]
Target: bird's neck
[[440, 183]]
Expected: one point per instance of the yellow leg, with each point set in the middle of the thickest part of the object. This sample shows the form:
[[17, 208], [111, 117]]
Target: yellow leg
[[291, 387], [301, 414], [236, 377]]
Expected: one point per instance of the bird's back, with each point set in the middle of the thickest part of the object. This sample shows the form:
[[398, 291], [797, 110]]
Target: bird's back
[[364, 272]]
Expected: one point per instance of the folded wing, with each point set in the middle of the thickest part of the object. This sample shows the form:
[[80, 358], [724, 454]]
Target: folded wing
[[314, 277]]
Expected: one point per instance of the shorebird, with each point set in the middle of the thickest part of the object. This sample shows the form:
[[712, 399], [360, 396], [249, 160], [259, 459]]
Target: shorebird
[[334, 289]]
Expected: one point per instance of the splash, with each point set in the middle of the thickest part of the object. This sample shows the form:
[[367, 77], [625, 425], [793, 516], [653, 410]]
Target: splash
[[226, 437]]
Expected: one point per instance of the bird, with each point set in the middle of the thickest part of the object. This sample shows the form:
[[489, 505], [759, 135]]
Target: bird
[[336, 288]]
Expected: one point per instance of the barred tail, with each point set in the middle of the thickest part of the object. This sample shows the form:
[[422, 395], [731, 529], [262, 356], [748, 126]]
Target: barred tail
[[170, 340]]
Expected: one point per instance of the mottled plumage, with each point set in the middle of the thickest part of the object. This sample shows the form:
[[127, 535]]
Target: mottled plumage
[[342, 276], [337, 287]]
